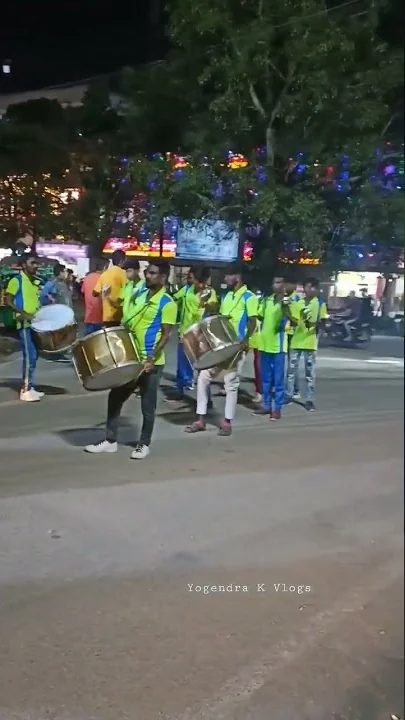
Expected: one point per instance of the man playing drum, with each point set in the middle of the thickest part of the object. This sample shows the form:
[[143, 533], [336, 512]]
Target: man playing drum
[[196, 300], [240, 305], [150, 318], [22, 295]]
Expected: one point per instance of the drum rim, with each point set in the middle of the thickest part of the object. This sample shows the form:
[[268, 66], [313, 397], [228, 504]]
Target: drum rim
[[205, 321], [106, 370], [237, 347], [48, 332], [103, 331], [53, 307]]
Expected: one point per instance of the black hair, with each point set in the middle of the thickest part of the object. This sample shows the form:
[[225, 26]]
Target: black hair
[[58, 268], [117, 257], [27, 258], [132, 264], [162, 265], [237, 268], [193, 270], [202, 274], [311, 281]]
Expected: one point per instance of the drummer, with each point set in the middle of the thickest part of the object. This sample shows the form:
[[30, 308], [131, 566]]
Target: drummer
[[240, 305], [22, 295], [197, 301], [151, 320]]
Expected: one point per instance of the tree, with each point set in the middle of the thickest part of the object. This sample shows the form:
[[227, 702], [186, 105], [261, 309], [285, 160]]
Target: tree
[[296, 77], [34, 169]]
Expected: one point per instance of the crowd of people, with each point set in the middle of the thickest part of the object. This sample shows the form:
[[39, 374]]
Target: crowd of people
[[279, 329]]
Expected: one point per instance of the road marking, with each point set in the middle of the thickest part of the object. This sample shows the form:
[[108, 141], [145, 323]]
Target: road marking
[[386, 361], [358, 360], [238, 689]]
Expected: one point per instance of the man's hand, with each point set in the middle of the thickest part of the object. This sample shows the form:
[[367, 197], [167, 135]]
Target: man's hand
[[26, 316], [148, 365]]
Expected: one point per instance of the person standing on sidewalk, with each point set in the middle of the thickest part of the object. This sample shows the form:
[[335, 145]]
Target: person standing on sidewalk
[[152, 318], [307, 317], [197, 301], [22, 296], [273, 350], [57, 290]]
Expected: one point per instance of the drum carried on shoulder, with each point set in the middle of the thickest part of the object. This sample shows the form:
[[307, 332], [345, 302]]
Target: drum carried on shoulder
[[212, 342], [107, 359]]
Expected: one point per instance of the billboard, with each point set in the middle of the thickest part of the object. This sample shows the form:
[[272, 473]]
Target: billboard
[[208, 241]]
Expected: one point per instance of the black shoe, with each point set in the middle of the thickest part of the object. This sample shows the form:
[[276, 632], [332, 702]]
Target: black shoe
[[261, 411], [176, 396], [310, 406]]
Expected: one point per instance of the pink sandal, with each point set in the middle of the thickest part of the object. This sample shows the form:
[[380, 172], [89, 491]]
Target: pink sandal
[[195, 427]]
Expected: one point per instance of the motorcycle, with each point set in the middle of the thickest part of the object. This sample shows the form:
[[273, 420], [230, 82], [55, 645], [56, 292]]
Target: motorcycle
[[335, 332]]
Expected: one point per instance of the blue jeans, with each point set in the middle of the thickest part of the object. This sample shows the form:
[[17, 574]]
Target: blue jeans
[[29, 357], [185, 373], [309, 364], [288, 371], [92, 327], [272, 376]]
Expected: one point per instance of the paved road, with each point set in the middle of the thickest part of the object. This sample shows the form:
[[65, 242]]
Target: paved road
[[380, 346], [102, 560]]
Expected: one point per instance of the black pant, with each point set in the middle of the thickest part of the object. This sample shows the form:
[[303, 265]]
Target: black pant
[[148, 385]]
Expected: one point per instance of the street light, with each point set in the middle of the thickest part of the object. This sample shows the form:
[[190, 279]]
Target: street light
[[6, 67]]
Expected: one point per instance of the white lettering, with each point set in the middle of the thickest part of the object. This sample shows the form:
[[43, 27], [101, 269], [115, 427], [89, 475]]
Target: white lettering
[[261, 587], [221, 588], [190, 587], [245, 588], [197, 588], [276, 586]]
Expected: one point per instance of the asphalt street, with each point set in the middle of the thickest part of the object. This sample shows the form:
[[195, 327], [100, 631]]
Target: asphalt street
[[254, 577]]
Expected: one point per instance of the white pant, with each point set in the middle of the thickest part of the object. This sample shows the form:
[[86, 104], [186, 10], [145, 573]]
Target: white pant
[[231, 385]]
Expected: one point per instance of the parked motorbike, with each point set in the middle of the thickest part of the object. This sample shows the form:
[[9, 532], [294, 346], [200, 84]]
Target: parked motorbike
[[335, 332]]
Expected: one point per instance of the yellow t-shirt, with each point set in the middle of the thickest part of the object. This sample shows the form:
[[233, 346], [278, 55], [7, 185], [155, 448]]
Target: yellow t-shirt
[[25, 293], [116, 278]]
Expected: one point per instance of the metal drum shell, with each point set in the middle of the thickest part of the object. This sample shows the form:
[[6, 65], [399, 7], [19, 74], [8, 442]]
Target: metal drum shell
[[55, 342], [106, 359], [211, 342]]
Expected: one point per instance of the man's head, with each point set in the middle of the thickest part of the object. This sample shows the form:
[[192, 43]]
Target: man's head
[[311, 288], [191, 275], [132, 267], [59, 272], [290, 285], [278, 285], [118, 258], [202, 277], [29, 264], [157, 274], [234, 276]]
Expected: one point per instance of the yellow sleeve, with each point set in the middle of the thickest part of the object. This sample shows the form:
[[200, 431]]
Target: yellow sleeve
[[252, 306], [169, 313], [180, 294], [323, 313], [12, 287], [213, 297]]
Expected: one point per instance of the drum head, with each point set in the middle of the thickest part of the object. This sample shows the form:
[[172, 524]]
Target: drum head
[[53, 317], [212, 358], [112, 377]]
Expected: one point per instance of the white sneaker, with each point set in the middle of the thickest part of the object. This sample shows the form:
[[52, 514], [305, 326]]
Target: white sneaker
[[257, 398], [296, 396], [102, 447], [140, 453], [29, 396], [39, 393]]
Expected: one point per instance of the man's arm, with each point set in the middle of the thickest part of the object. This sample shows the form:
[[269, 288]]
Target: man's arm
[[252, 309], [169, 316], [98, 287], [11, 292]]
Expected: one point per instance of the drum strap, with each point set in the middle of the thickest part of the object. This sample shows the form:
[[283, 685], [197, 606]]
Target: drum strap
[[235, 306], [140, 312]]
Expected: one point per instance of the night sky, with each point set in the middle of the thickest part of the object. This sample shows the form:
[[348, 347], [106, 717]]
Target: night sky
[[57, 41], [53, 42]]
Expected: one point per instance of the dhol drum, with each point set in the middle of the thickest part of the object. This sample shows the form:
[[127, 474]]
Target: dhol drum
[[212, 342], [54, 330], [106, 359]]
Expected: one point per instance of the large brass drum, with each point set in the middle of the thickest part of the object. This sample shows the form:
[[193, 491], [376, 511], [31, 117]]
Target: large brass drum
[[211, 342], [107, 359], [54, 330]]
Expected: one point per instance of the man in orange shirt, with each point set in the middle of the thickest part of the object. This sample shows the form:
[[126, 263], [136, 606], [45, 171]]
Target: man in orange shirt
[[93, 310], [109, 287]]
